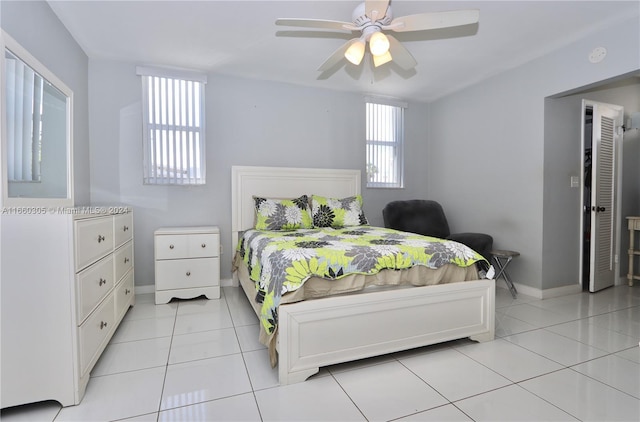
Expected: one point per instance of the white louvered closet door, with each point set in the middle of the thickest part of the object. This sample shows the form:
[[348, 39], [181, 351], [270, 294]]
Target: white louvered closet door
[[606, 139]]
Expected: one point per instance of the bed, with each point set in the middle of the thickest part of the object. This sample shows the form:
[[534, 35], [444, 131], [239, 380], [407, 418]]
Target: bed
[[317, 332]]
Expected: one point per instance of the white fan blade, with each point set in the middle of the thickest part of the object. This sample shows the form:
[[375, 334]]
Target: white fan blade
[[336, 56], [318, 23], [376, 9], [424, 21], [401, 56]]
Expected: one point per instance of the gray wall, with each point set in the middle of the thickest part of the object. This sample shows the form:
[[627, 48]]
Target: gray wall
[[34, 26], [487, 160], [248, 123], [562, 159]]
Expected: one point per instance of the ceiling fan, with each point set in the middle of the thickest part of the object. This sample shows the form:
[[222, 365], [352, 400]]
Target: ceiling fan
[[372, 19]]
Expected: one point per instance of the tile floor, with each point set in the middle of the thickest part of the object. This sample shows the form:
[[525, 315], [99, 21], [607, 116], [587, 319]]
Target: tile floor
[[568, 358]]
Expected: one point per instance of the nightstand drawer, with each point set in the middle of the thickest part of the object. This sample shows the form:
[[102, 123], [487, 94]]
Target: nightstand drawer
[[203, 245], [171, 246], [187, 273]]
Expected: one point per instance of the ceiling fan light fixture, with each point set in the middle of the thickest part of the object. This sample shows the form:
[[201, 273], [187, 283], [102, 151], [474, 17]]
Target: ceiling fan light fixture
[[381, 59], [355, 52], [378, 44]]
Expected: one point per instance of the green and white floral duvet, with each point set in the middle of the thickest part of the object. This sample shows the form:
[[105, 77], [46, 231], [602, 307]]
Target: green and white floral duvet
[[281, 261]]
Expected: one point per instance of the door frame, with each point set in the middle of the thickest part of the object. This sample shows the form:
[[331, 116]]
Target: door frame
[[618, 191]]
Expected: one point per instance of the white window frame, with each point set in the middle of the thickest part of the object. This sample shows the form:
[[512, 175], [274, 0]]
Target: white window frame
[[384, 133], [173, 116]]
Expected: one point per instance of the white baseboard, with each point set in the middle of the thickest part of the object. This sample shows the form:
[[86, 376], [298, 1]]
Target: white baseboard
[[542, 294]]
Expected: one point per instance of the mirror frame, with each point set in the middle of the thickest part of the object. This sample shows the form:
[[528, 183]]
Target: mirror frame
[[8, 43]]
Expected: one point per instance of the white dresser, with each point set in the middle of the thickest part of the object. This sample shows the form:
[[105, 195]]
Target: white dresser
[[67, 282], [187, 262]]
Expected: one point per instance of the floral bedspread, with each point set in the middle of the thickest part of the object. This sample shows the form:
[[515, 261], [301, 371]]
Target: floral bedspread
[[281, 261]]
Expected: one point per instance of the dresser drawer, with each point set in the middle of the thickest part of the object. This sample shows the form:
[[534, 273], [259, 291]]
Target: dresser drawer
[[124, 294], [93, 285], [93, 240], [187, 273], [95, 331], [123, 259], [122, 228]]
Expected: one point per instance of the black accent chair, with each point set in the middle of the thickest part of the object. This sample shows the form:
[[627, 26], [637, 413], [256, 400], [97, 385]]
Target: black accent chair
[[427, 218]]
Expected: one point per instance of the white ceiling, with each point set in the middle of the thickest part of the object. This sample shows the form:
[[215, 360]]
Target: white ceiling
[[240, 38]]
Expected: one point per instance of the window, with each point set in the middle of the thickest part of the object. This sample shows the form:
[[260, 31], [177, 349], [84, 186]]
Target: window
[[174, 127], [385, 133]]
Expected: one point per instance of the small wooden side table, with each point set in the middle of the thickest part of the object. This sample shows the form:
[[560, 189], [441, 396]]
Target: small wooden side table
[[502, 258], [634, 224]]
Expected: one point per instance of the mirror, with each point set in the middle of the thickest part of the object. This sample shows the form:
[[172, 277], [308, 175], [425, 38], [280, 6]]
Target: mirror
[[36, 132]]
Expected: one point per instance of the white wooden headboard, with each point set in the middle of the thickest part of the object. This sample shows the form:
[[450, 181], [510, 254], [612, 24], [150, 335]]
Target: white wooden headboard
[[283, 182]]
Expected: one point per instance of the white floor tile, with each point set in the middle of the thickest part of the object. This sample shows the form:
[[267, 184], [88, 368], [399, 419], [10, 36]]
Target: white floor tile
[[536, 316], [149, 417], [626, 321], [248, 337], [447, 413], [594, 335], [133, 355], [200, 305], [261, 374], [511, 403], [203, 345], [212, 317], [632, 354], [118, 396], [615, 371], [202, 380], [506, 325], [558, 348], [511, 361], [318, 399], [151, 310], [584, 397], [453, 374], [141, 329], [236, 408], [388, 391]]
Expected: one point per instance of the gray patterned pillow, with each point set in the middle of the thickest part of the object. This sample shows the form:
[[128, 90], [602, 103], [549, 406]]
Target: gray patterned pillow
[[282, 214]]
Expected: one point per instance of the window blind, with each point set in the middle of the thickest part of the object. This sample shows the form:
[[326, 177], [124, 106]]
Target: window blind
[[174, 127], [384, 151]]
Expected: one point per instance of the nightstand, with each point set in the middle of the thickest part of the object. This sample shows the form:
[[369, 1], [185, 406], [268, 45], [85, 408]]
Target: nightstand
[[187, 262]]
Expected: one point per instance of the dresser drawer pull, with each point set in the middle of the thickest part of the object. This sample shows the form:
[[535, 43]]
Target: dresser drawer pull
[[170, 246], [102, 281], [204, 245], [125, 228], [101, 238], [102, 325], [127, 291], [188, 273], [126, 259]]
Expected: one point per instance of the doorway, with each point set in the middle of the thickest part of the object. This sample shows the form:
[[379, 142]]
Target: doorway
[[601, 139]]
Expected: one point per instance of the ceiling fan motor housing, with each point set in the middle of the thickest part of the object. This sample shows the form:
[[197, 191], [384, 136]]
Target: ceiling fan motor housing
[[360, 19]]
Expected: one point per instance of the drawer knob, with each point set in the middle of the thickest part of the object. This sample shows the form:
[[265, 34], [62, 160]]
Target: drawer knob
[[188, 273], [126, 259], [102, 324], [204, 245], [127, 291], [170, 246], [125, 228], [101, 238], [102, 281]]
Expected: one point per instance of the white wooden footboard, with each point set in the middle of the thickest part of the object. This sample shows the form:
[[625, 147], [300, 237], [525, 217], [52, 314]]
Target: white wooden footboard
[[331, 330]]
